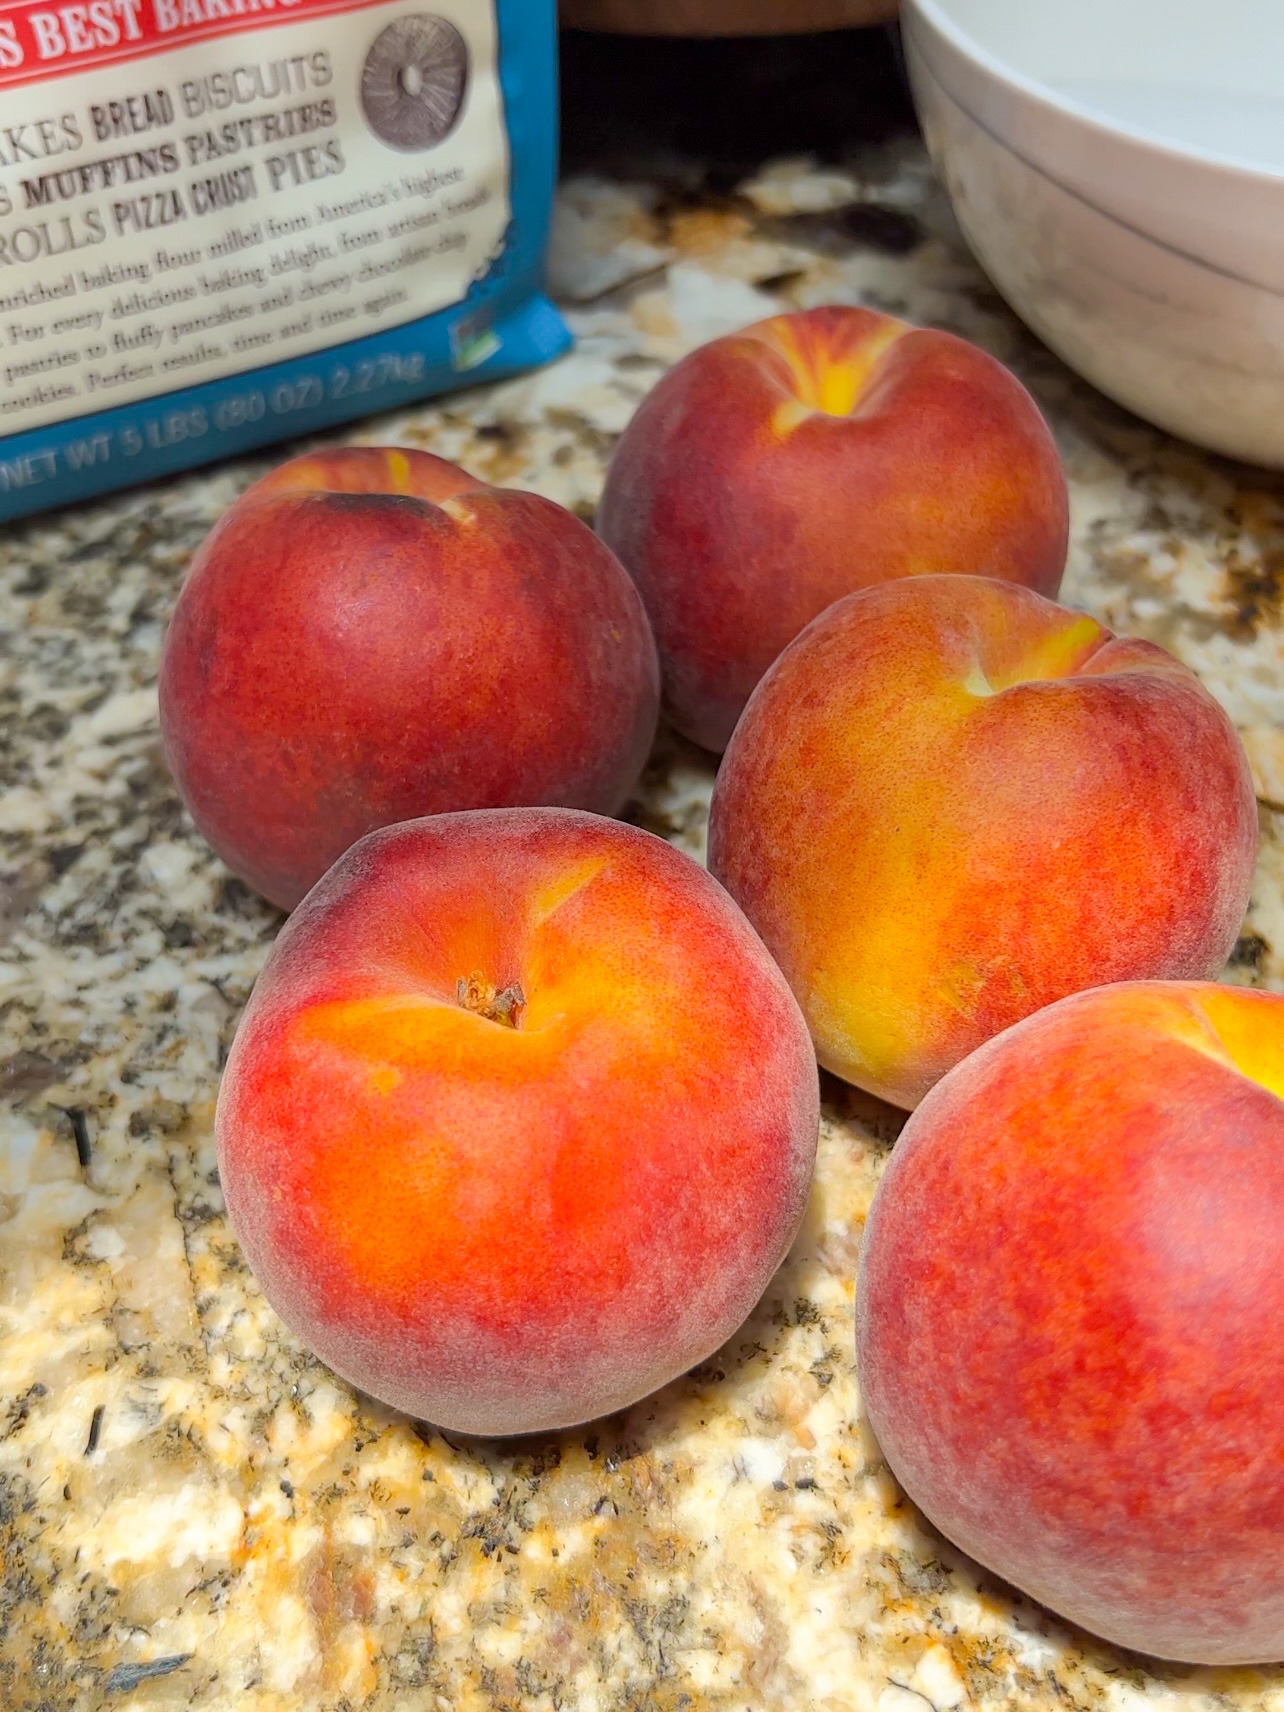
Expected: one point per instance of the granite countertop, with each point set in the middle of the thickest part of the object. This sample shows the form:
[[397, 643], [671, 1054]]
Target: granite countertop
[[193, 1512]]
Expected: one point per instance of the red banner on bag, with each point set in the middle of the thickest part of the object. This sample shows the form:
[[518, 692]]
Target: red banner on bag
[[41, 40]]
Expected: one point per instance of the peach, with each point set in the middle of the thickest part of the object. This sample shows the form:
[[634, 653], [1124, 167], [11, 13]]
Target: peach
[[771, 472], [370, 635], [952, 802], [1068, 1314], [520, 1118]]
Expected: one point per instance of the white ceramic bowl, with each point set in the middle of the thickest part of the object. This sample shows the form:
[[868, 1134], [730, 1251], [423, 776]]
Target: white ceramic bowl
[[1118, 167]]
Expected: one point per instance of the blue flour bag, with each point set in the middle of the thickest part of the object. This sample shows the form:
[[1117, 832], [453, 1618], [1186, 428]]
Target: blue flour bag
[[227, 222]]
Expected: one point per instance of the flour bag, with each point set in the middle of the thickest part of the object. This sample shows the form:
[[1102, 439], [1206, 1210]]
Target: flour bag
[[226, 222]]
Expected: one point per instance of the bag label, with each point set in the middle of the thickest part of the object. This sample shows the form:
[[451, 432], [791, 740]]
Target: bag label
[[191, 189]]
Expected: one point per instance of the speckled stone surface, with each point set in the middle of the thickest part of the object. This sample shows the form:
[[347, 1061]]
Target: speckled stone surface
[[193, 1512]]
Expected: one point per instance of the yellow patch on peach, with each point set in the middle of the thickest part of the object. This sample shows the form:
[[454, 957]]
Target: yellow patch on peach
[[1028, 659], [1248, 1034], [831, 367], [551, 896], [399, 474]]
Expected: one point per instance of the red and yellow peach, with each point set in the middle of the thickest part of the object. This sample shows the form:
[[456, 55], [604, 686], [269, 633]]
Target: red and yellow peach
[[952, 802], [520, 1118], [370, 635], [1068, 1314], [775, 470]]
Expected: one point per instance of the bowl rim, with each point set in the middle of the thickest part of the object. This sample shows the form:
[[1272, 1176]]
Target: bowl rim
[[935, 14]]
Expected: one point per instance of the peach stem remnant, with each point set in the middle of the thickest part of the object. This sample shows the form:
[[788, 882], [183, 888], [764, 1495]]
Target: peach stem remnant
[[475, 993]]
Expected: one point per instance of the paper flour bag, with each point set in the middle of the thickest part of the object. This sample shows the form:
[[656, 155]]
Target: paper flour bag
[[225, 222]]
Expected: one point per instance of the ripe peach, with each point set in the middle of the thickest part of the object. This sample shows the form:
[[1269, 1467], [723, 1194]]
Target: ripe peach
[[1068, 1314], [775, 470], [370, 635], [951, 802], [520, 1118]]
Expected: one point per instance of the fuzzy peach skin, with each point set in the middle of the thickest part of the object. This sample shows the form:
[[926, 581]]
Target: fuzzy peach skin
[[370, 635], [952, 802], [520, 1119], [817, 453], [1068, 1314]]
